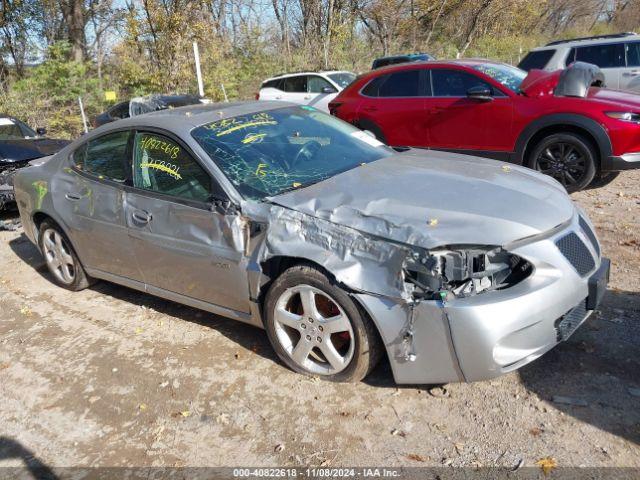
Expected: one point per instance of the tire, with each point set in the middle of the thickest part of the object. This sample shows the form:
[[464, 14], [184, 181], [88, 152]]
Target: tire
[[331, 338], [61, 259], [604, 179], [567, 157]]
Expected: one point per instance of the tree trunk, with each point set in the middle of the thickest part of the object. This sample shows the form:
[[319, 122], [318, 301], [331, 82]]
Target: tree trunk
[[73, 12]]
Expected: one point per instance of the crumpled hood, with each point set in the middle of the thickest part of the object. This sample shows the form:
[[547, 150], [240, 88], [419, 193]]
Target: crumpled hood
[[431, 199]]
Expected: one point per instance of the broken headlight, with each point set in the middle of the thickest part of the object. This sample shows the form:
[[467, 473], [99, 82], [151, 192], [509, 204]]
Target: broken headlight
[[462, 272]]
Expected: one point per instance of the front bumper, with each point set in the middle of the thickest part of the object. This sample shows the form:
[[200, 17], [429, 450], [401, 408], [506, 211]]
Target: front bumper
[[487, 335], [628, 161]]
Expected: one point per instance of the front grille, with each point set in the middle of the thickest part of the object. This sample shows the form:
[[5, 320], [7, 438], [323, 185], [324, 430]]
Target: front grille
[[570, 321], [589, 233], [577, 253]]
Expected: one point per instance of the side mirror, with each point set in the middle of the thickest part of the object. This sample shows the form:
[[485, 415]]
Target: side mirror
[[41, 131], [221, 204], [329, 90], [480, 92]]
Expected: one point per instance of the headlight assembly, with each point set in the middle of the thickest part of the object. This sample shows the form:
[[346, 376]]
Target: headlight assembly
[[463, 272]]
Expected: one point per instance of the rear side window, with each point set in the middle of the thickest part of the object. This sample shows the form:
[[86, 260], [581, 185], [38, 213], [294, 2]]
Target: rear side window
[[454, 83], [296, 84], [604, 56], [161, 165], [104, 157], [401, 84], [633, 54], [537, 59], [372, 88]]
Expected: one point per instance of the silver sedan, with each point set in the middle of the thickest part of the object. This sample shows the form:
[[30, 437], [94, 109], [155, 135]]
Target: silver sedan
[[456, 268]]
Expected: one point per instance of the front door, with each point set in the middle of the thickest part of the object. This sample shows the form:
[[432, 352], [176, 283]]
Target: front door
[[92, 205], [321, 92], [630, 78], [457, 122], [181, 245]]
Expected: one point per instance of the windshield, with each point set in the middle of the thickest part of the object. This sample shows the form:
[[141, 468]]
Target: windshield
[[510, 77], [343, 79], [268, 153], [14, 130]]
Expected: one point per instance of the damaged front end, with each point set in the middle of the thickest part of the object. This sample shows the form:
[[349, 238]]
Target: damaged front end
[[446, 273]]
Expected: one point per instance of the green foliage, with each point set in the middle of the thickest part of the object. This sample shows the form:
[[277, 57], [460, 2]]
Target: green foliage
[[48, 95]]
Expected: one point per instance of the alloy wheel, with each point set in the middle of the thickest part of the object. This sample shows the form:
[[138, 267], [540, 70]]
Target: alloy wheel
[[564, 162], [58, 256], [314, 330]]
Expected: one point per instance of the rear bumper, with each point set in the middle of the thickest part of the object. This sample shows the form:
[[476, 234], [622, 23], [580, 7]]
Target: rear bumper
[[628, 161]]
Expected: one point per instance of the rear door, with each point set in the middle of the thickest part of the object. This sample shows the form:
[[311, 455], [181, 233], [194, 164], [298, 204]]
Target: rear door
[[272, 90], [182, 245], [456, 122], [610, 57], [394, 105], [630, 78], [92, 204], [295, 89]]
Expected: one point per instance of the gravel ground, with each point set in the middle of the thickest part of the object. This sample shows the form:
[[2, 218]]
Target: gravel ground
[[113, 377]]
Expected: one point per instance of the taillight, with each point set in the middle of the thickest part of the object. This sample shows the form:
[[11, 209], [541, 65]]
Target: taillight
[[257, 95]]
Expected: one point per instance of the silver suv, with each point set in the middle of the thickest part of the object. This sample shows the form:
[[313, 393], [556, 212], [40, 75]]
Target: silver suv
[[617, 55]]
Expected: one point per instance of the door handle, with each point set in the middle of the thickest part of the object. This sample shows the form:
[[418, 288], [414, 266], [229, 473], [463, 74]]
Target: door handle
[[632, 73], [74, 197], [370, 109], [308, 97], [141, 216], [278, 97], [436, 109]]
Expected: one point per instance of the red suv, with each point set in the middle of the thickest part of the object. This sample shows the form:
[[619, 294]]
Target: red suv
[[560, 123]]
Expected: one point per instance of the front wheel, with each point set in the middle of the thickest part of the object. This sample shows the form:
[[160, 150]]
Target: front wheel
[[567, 157], [317, 329]]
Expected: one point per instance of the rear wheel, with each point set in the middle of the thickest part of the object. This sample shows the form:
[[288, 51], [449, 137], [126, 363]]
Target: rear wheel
[[317, 329], [567, 157], [60, 258]]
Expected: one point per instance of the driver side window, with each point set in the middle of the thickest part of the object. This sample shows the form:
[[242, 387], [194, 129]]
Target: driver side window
[[161, 165]]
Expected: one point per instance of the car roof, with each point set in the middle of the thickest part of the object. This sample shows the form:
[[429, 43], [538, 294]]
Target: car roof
[[304, 72], [184, 119], [465, 62], [596, 40]]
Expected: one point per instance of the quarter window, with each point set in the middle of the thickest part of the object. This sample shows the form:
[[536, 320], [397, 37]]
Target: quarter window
[[454, 83], [104, 157], [161, 165], [401, 84], [604, 56]]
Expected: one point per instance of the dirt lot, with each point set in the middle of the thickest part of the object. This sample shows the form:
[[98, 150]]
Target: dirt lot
[[113, 377]]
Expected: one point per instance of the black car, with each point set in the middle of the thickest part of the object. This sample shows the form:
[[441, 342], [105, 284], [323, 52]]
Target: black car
[[410, 57], [19, 144], [140, 105]]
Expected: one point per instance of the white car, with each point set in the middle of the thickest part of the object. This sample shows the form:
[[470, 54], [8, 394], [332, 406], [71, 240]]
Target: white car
[[617, 55], [316, 89]]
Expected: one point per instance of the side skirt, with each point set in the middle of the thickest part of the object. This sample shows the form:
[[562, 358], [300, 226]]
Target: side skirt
[[178, 298]]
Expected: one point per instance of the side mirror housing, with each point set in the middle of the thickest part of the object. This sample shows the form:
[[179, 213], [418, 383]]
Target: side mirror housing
[[329, 90], [41, 131], [221, 204], [480, 92]]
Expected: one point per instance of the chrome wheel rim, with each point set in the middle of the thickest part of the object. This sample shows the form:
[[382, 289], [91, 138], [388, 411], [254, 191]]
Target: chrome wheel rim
[[564, 162], [314, 330], [58, 256]]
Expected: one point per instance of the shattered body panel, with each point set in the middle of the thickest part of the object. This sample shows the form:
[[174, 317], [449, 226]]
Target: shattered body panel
[[421, 240]]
